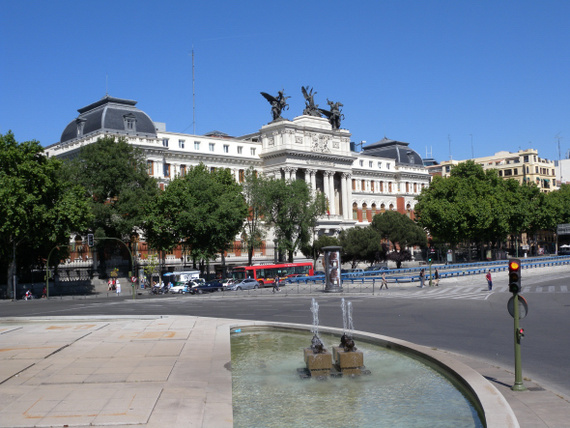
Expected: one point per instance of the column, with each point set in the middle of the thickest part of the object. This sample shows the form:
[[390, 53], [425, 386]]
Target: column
[[292, 174], [348, 178], [313, 179], [332, 202], [343, 195], [326, 188]]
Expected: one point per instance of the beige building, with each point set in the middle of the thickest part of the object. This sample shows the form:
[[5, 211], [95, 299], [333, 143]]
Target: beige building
[[525, 166]]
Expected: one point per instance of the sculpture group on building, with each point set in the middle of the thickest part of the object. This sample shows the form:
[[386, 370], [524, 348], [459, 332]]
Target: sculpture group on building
[[279, 103]]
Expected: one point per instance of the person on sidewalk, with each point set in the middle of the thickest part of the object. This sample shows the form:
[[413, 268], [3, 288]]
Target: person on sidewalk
[[422, 277], [118, 287], [489, 280], [384, 281], [436, 277]]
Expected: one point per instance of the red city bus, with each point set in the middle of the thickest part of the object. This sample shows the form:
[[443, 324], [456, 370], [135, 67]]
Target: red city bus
[[265, 274]]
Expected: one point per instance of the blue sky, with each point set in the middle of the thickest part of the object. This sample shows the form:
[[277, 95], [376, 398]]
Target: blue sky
[[453, 78]]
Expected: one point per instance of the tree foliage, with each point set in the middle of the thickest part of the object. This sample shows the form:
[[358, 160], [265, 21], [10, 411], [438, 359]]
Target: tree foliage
[[114, 174], [361, 244], [293, 211], [398, 229], [204, 210], [474, 205], [39, 209], [255, 192], [314, 249]]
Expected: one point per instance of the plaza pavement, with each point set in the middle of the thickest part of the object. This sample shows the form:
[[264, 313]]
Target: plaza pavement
[[174, 371]]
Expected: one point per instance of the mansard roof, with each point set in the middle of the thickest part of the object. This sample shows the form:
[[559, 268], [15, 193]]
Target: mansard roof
[[109, 114], [392, 149]]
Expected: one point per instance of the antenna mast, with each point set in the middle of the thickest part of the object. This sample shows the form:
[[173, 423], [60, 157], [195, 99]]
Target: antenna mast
[[193, 96]]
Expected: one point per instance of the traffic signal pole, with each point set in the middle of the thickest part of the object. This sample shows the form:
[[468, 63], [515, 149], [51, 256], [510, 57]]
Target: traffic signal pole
[[518, 386], [515, 287]]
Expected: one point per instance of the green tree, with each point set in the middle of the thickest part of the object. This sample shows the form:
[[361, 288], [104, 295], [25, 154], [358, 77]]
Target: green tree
[[469, 205], [114, 174], [40, 208], [361, 244], [255, 188], [399, 229], [293, 212], [314, 250], [203, 210]]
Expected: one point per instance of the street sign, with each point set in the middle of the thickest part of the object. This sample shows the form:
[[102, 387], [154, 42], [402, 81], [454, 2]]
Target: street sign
[[134, 279], [523, 307]]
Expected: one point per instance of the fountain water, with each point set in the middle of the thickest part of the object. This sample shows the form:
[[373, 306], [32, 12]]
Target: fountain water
[[318, 360]]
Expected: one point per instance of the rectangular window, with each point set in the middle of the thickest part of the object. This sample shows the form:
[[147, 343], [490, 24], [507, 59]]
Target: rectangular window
[[150, 167], [407, 187], [196, 145], [252, 151], [212, 146], [181, 144], [165, 142], [508, 172], [166, 170], [415, 187], [380, 165], [353, 184], [516, 171], [370, 164], [526, 158], [363, 186], [361, 163], [372, 186], [182, 170], [381, 186], [226, 148], [241, 175], [240, 150], [389, 187]]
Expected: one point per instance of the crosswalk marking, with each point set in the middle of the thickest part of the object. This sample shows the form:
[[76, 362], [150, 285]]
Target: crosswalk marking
[[460, 292]]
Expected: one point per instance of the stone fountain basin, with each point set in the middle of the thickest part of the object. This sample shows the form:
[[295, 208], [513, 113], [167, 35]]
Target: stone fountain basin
[[491, 406]]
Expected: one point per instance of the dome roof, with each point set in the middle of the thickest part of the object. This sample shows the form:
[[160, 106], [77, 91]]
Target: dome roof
[[113, 115], [392, 149]]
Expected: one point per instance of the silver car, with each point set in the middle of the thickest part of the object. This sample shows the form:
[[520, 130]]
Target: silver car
[[244, 284]]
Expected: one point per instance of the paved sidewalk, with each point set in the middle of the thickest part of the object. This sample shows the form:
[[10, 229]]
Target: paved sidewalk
[[160, 372]]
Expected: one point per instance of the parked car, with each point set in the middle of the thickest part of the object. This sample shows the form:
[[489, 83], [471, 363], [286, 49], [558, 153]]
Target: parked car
[[195, 282], [180, 288], [227, 282], [244, 284], [208, 287]]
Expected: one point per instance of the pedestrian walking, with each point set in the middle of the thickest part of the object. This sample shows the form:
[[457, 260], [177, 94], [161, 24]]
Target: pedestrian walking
[[118, 287], [489, 280], [384, 281], [276, 285], [422, 277], [436, 276]]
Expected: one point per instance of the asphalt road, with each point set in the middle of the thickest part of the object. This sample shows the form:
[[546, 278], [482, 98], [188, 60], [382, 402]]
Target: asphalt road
[[476, 324]]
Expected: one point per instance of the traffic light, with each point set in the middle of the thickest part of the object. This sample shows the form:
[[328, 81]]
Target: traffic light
[[515, 285], [520, 333], [90, 239]]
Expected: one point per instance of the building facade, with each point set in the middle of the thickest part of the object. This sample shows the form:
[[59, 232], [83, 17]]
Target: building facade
[[386, 175], [525, 166]]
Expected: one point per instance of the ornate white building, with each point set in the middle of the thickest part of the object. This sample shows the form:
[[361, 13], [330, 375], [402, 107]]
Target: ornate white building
[[386, 175]]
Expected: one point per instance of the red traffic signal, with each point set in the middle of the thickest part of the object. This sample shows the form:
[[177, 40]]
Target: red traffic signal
[[515, 285]]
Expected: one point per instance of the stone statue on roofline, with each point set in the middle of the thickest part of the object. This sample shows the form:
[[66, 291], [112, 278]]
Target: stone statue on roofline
[[278, 103]]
